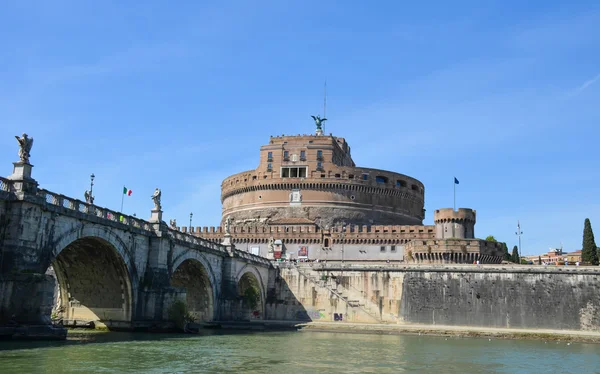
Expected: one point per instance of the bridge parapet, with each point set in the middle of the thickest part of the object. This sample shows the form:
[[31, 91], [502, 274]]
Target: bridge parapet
[[5, 184], [52, 198], [252, 257], [192, 239]]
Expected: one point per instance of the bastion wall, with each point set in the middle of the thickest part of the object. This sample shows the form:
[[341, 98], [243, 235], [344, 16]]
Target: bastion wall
[[458, 295]]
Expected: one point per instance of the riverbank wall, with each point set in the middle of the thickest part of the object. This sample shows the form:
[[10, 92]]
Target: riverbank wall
[[520, 297]]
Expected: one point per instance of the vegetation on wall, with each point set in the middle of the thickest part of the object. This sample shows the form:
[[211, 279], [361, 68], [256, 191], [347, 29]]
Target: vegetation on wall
[[251, 297], [179, 315]]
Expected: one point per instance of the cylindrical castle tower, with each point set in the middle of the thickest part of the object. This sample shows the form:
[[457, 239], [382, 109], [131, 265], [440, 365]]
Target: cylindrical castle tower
[[457, 224], [312, 178]]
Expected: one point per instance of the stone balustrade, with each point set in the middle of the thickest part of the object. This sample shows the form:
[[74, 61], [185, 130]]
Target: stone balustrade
[[78, 206], [192, 239], [5, 184], [93, 210]]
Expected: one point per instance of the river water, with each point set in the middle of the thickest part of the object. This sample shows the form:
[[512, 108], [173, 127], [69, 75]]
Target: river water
[[293, 352]]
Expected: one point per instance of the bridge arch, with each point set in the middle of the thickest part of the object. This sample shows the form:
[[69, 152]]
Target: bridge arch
[[192, 271], [250, 286], [96, 277]]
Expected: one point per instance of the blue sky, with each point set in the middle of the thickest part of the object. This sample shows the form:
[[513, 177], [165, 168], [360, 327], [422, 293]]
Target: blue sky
[[179, 95]]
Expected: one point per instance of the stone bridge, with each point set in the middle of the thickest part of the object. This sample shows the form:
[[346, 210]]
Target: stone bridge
[[117, 269]]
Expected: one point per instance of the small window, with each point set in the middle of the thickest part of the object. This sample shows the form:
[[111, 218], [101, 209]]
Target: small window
[[322, 175], [351, 176], [352, 197], [319, 155], [326, 243], [338, 176], [393, 248], [414, 187], [381, 179], [254, 177], [365, 177], [286, 155], [400, 183], [302, 155], [382, 249], [270, 156], [319, 165], [269, 166]]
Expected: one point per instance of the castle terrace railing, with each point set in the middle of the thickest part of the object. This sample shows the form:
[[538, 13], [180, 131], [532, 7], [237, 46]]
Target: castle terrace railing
[[93, 210]]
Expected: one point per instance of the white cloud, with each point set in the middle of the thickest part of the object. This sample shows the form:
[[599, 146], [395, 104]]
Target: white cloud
[[585, 85]]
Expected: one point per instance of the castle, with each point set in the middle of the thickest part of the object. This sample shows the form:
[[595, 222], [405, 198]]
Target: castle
[[307, 199]]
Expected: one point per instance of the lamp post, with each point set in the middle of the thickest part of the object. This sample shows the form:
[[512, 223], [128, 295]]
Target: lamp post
[[92, 188], [519, 233], [191, 214]]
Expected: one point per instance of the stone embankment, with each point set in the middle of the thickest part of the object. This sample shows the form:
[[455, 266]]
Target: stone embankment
[[505, 297]]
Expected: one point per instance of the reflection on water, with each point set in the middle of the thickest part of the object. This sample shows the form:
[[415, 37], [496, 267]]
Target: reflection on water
[[293, 352]]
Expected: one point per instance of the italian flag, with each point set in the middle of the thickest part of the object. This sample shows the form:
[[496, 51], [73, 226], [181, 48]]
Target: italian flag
[[127, 191]]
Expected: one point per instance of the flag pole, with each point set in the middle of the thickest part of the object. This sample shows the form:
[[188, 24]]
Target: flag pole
[[122, 198], [454, 184]]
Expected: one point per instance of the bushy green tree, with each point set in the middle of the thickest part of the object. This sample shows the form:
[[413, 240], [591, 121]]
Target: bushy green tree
[[490, 238], [506, 254], [515, 255], [589, 251]]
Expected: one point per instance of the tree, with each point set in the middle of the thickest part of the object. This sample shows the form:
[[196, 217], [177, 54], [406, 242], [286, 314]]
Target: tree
[[515, 255], [589, 251], [540, 260], [506, 255], [491, 238]]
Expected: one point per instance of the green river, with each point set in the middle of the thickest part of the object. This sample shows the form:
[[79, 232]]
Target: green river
[[293, 352]]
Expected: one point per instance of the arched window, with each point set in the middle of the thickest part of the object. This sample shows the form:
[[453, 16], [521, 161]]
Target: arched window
[[381, 179], [326, 243]]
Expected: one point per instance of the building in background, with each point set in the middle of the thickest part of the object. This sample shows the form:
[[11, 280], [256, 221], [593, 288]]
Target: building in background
[[308, 200]]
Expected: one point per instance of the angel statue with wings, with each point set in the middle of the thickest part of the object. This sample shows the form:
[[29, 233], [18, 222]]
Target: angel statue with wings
[[25, 144], [319, 122]]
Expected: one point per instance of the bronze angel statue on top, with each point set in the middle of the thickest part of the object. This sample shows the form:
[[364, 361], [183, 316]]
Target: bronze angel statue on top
[[25, 144], [319, 122]]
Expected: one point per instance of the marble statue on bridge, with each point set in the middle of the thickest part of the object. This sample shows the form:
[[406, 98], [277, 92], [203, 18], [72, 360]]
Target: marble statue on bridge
[[156, 199], [88, 197], [25, 144]]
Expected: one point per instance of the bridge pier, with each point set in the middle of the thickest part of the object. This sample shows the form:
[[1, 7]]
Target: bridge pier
[[26, 292]]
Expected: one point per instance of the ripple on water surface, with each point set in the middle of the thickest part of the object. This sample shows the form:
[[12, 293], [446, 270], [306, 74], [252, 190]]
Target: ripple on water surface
[[288, 352]]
